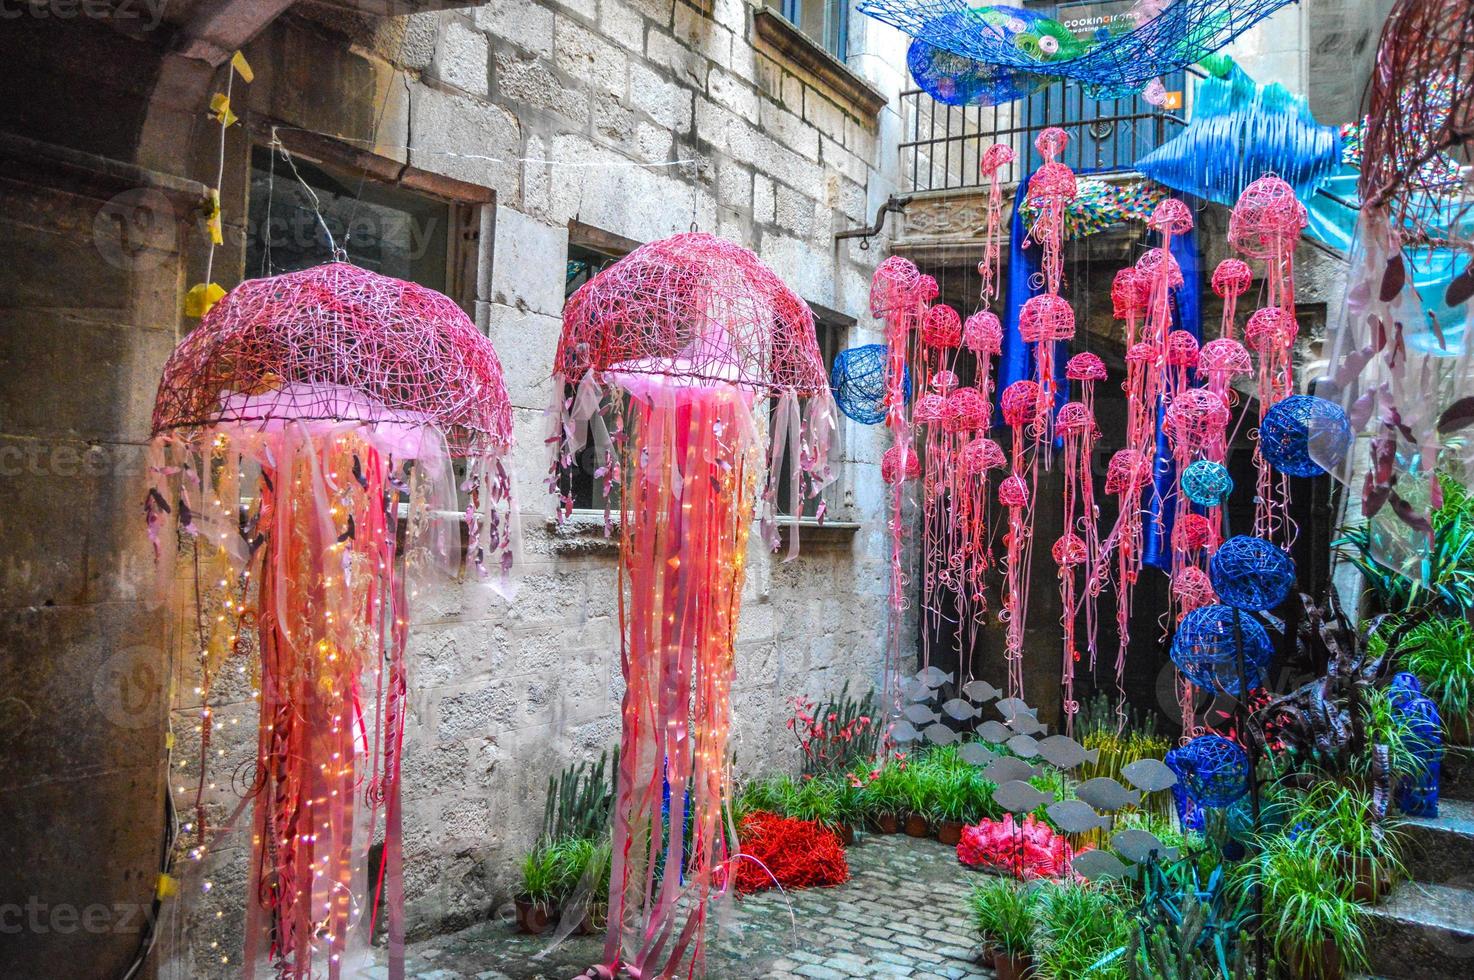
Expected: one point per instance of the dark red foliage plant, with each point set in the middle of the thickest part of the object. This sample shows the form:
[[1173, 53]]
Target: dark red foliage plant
[[787, 853]]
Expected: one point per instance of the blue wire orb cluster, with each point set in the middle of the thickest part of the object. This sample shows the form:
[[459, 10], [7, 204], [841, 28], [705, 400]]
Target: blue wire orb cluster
[[1417, 795], [1301, 429], [955, 79], [1213, 770], [1205, 649], [1207, 483], [1251, 573], [858, 380]]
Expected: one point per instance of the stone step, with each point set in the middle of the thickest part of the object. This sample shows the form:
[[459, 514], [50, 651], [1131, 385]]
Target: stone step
[[1422, 930], [1441, 849], [1456, 776]]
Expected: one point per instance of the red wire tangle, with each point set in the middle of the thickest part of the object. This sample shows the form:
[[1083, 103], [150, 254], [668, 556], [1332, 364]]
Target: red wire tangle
[[676, 348], [1051, 190], [1078, 546], [288, 427], [994, 159], [1230, 281], [1220, 362]]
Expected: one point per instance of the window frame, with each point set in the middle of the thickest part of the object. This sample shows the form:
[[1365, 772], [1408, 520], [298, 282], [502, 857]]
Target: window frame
[[793, 12]]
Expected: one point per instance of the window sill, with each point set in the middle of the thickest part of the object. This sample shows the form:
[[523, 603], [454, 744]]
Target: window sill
[[800, 49], [829, 535], [582, 533]]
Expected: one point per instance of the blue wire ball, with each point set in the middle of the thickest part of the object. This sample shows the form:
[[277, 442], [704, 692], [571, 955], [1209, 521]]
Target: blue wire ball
[[858, 380], [1251, 573], [1206, 651], [1214, 771], [1301, 429], [954, 79], [1207, 483]]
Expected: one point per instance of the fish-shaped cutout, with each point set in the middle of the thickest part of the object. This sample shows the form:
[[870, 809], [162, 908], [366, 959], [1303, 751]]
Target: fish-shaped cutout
[[1026, 724], [904, 731], [1017, 796], [940, 734], [1138, 845], [1098, 865], [1104, 793], [1007, 769], [976, 754], [1149, 775], [1065, 752], [994, 731], [934, 677], [959, 709], [1024, 746], [1009, 707], [913, 690], [1076, 816], [980, 691], [920, 714]]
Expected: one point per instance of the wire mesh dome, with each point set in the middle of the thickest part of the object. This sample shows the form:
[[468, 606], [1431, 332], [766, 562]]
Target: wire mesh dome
[[983, 334], [1206, 482], [1013, 491], [895, 286], [1127, 472], [1051, 142], [697, 307], [1182, 349], [981, 455], [1206, 649], [1195, 418], [1192, 588], [1021, 403], [1267, 220], [1232, 278], [1130, 293], [1073, 418], [1270, 328], [966, 411], [1251, 573], [1192, 533], [1301, 429], [945, 381], [930, 409], [1152, 260], [1225, 357], [1085, 366], [995, 156], [1046, 317], [1213, 770], [942, 328], [1069, 551], [1171, 217], [338, 343], [858, 381], [1052, 184], [1141, 353], [890, 465]]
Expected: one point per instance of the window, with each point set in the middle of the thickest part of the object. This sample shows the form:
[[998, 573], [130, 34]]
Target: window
[[827, 22], [578, 481], [830, 329]]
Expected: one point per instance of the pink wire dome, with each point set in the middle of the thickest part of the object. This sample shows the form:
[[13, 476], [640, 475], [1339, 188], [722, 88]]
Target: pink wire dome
[[930, 408], [1232, 278], [1046, 317], [983, 334], [337, 342], [1226, 357], [890, 468], [693, 306], [1195, 417], [1192, 588], [1171, 217], [1270, 328], [1182, 349], [1085, 366], [1069, 551], [966, 411], [1126, 472], [1193, 532], [942, 327], [1130, 293], [944, 381], [1021, 403], [1073, 418], [1013, 492], [1051, 142], [980, 455], [1151, 261], [894, 286], [995, 156], [1141, 353], [1267, 220]]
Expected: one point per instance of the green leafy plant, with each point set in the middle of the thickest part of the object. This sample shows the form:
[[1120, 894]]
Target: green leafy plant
[[919, 786], [1190, 926], [1338, 824], [1388, 727], [774, 794], [543, 871], [580, 798], [884, 793], [836, 733], [1083, 933], [1448, 582], [963, 796], [816, 799], [1003, 912], [1315, 927], [1440, 653]]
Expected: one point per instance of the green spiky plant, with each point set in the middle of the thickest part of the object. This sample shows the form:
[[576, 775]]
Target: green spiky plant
[[1440, 653], [774, 794], [1337, 823], [1308, 909], [1190, 925], [818, 800], [1448, 585], [543, 870], [1393, 729], [1083, 933], [885, 795], [580, 799], [1003, 911]]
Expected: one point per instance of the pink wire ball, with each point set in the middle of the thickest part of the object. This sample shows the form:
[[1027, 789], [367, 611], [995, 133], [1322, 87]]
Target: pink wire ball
[[1194, 532], [1053, 183], [1271, 328], [983, 334], [1192, 588], [1182, 349], [927, 289], [1051, 142], [929, 409], [1130, 293], [1171, 217], [890, 470], [1073, 419], [1141, 353], [1151, 263], [967, 411], [1195, 416], [980, 455], [1069, 551], [944, 381], [1085, 366], [942, 328], [996, 156], [1224, 357], [894, 286], [1126, 473], [1232, 278], [1013, 492], [1267, 220], [1046, 317], [1021, 403]]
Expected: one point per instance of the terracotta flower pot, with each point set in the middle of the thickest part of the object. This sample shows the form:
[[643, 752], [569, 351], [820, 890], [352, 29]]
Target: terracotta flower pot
[[532, 917], [1013, 966], [595, 920], [888, 824], [1369, 884], [916, 826], [1321, 962], [846, 832], [949, 832]]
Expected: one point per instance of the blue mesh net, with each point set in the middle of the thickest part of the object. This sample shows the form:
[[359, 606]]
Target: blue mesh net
[[1251, 573], [955, 79], [1205, 649], [858, 380], [1185, 32], [1211, 770], [1206, 483], [1417, 795], [1301, 429]]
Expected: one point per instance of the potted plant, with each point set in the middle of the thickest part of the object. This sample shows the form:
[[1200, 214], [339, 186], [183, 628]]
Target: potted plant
[[1083, 932], [1340, 823], [1440, 653], [1316, 928], [816, 800], [918, 790], [595, 882], [542, 878], [882, 798], [961, 797], [1003, 912]]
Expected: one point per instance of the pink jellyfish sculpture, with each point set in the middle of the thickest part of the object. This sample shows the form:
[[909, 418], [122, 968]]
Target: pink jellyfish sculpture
[[1077, 546], [941, 335], [1220, 362], [994, 159], [982, 334], [971, 502], [1142, 360], [1270, 334], [1043, 321], [684, 342], [1023, 412], [1266, 223], [1050, 192], [1129, 296], [1230, 281], [1182, 359], [289, 429], [1197, 425]]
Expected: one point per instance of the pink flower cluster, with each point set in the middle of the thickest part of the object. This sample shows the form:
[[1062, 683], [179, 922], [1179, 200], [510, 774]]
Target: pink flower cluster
[[1028, 850]]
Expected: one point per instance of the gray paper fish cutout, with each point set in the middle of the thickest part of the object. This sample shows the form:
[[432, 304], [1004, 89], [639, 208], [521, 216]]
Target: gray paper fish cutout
[[959, 709], [1104, 793], [940, 734], [1097, 865], [1009, 707], [976, 754], [1017, 796], [1137, 845], [1026, 724], [920, 714], [933, 677], [1007, 769], [980, 690], [994, 731], [1150, 775], [1076, 816], [1065, 752], [1024, 746], [904, 731], [913, 690]]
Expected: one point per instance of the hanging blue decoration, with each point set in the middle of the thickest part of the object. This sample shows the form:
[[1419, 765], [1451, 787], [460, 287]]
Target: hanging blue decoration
[[1205, 648], [955, 79], [1240, 131], [1417, 795], [1301, 429], [1171, 36], [858, 381], [1213, 770], [1207, 483], [1251, 573]]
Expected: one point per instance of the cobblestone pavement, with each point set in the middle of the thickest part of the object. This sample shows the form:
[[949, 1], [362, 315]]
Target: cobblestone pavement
[[901, 914]]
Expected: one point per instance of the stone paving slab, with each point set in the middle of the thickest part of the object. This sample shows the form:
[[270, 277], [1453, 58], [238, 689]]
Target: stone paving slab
[[901, 914]]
